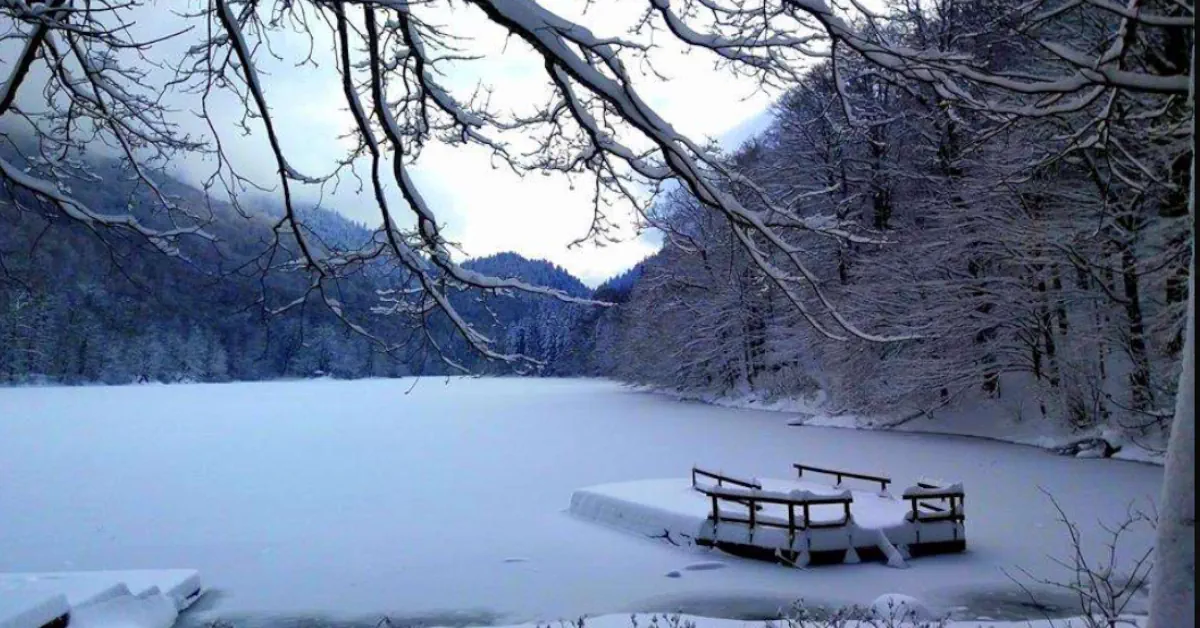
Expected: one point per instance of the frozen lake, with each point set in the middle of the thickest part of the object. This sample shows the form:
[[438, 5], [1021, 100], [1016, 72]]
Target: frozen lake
[[446, 505]]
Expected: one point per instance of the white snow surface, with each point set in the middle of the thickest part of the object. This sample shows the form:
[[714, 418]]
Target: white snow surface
[[649, 620], [19, 609], [97, 599], [361, 499], [147, 611], [894, 606], [90, 587], [76, 591]]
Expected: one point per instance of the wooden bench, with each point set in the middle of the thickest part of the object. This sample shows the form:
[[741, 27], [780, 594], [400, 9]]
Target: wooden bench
[[840, 475], [949, 507], [921, 503]]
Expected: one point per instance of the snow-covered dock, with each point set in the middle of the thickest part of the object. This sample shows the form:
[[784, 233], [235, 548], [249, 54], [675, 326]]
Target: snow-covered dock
[[798, 522], [135, 598]]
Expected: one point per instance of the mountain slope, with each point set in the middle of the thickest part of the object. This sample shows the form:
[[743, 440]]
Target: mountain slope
[[128, 313]]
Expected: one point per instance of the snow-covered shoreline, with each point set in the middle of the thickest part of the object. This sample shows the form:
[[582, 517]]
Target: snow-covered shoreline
[[681, 620], [993, 426]]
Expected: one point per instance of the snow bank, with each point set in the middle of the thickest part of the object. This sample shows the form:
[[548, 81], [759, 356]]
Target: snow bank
[[77, 591], [181, 586], [747, 400], [149, 611], [653, 508], [982, 419], [648, 620], [25, 609], [97, 599]]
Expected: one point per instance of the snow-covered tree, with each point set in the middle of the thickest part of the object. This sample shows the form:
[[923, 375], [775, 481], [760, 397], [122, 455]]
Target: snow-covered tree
[[1101, 88]]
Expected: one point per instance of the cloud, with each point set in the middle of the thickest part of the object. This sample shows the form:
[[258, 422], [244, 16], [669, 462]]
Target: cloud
[[485, 209]]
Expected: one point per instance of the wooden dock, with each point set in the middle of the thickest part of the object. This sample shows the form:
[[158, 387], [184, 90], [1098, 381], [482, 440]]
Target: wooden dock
[[847, 518], [746, 520]]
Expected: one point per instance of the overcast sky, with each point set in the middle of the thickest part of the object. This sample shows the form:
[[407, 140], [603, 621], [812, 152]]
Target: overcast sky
[[484, 209]]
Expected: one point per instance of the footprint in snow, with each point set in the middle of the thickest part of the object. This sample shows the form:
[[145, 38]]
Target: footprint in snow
[[674, 574], [516, 560], [705, 566]]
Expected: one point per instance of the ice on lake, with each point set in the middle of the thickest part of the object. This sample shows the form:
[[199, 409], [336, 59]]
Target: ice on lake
[[358, 498]]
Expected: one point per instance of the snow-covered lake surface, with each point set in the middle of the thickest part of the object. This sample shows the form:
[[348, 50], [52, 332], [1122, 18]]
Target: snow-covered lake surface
[[447, 504]]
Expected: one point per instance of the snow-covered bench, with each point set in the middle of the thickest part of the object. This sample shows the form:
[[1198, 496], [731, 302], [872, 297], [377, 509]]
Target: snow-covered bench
[[937, 517], [935, 502]]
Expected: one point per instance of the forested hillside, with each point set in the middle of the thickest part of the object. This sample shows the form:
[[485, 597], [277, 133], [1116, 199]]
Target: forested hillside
[[549, 331], [1039, 261], [76, 307]]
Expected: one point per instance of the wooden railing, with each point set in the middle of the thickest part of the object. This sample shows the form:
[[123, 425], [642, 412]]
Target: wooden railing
[[883, 481], [949, 506], [754, 500], [722, 479]]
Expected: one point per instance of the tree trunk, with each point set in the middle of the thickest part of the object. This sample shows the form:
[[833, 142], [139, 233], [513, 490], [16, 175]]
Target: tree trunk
[[1172, 590], [1173, 583], [1139, 377], [1060, 302]]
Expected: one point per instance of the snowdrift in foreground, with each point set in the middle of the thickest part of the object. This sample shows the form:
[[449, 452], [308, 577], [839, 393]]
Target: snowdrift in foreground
[[885, 614], [97, 599]]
